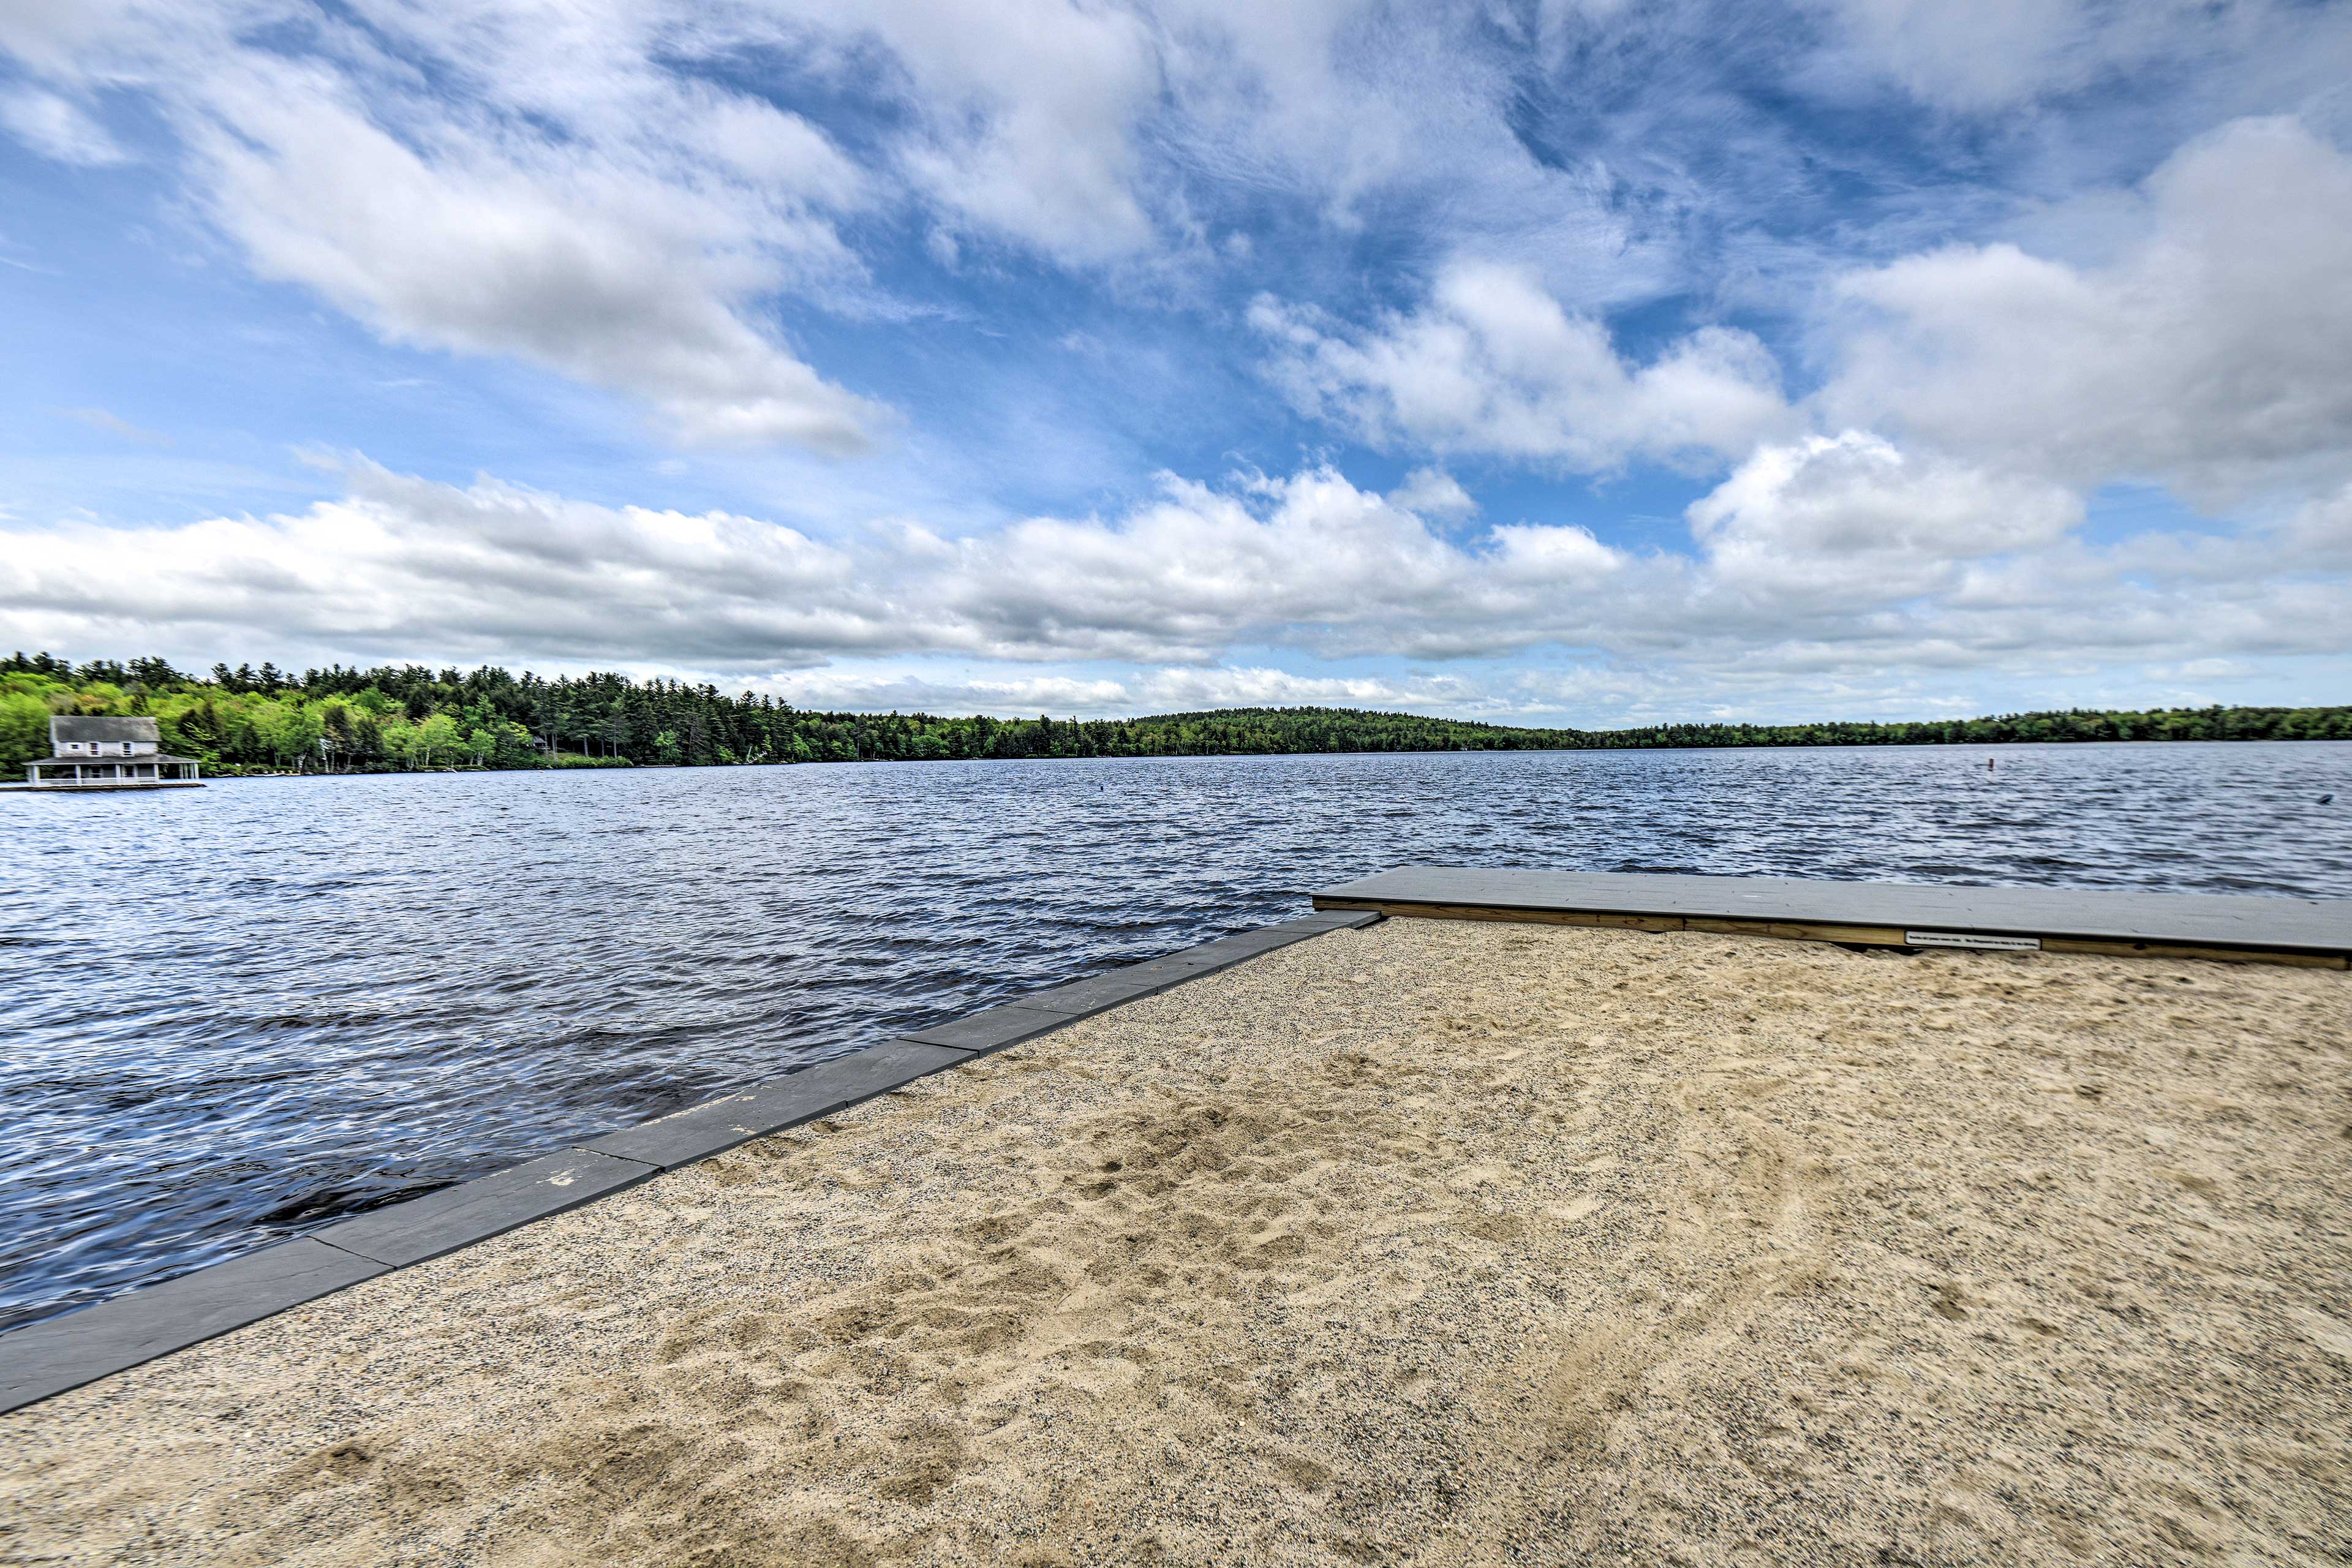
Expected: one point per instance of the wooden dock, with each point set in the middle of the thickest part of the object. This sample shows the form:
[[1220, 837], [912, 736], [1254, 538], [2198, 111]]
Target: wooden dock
[[1906, 915]]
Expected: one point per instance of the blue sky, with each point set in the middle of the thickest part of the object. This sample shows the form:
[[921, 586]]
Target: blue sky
[[1584, 362]]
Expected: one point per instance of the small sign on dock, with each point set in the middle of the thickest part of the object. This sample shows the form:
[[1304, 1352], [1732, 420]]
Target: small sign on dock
[[1980, 942]]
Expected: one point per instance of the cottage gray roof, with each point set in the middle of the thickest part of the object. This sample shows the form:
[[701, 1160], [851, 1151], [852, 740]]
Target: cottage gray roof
[[84, 729]]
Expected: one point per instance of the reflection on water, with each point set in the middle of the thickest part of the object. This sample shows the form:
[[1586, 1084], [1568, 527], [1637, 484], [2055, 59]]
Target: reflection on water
[[238, 1012]]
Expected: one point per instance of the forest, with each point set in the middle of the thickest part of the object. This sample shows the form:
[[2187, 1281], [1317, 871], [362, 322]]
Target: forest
[[410, 718]]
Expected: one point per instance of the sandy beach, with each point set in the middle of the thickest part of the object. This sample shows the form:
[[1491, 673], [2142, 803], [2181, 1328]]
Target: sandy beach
[[1434, 1243]]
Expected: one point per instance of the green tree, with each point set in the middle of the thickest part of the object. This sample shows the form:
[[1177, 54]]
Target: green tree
[[436, 738], [24, 731]]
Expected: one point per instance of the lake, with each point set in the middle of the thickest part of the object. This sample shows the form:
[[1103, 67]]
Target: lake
[[240, 1013]]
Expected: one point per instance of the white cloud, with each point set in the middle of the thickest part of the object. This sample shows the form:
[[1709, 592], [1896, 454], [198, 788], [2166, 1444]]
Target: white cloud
[[52, 35], [56, 129], [1163, 690], [1492, 364], [2317, 536], [1433, 493], [566, 184], [400, 567], [1028, 119], [1310, 560], [1851, 520], [593, 274], [2214, 354], [2000, 55], [1838, 567], [582, 209], [404, 564]]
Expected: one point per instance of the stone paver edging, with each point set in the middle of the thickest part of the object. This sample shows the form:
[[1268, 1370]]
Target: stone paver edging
[[63, 1352]]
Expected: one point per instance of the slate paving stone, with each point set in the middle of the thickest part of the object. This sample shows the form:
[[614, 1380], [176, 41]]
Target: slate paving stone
[[1228, 951], [1095, 994], [992, 1028], [844, 1081], [1333, 919], [1160, 974], [1194, 963], [701, 1131], [717, 1125], [491, 1206], [62, 1353]]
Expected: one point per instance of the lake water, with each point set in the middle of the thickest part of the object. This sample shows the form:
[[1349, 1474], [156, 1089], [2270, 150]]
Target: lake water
[[236, 1014]]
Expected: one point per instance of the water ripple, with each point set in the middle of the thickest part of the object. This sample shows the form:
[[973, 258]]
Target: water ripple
[[240, 1013]]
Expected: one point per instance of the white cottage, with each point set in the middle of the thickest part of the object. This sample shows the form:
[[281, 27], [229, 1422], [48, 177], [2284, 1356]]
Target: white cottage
[[116, 752]]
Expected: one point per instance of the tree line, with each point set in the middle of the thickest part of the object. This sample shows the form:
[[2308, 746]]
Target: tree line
[[409, 717]]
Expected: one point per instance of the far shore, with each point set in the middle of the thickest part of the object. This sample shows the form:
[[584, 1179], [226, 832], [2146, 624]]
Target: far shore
[[623, 765]]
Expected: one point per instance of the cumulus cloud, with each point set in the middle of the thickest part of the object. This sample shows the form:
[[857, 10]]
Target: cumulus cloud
[[1310, 560], [1433, 493], [593, 271], [1849, 519], [2213, 353], [572, 205], [1026, 122], [574, 186], [400, 563], [1492, 364], [2318, 535], [1829, 565], [1101, 135]]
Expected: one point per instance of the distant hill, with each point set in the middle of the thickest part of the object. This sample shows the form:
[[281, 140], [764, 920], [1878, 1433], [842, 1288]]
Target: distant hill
[[393, 719]]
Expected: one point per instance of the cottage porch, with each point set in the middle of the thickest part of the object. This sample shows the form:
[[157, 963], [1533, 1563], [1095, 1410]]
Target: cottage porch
[[155, 770]]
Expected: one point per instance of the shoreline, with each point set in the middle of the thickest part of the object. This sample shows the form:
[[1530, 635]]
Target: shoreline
[[625, 766], [52, 1354], [1437, 1239]]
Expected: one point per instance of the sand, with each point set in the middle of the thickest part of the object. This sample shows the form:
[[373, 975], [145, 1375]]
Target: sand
[[1435, 1243]]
